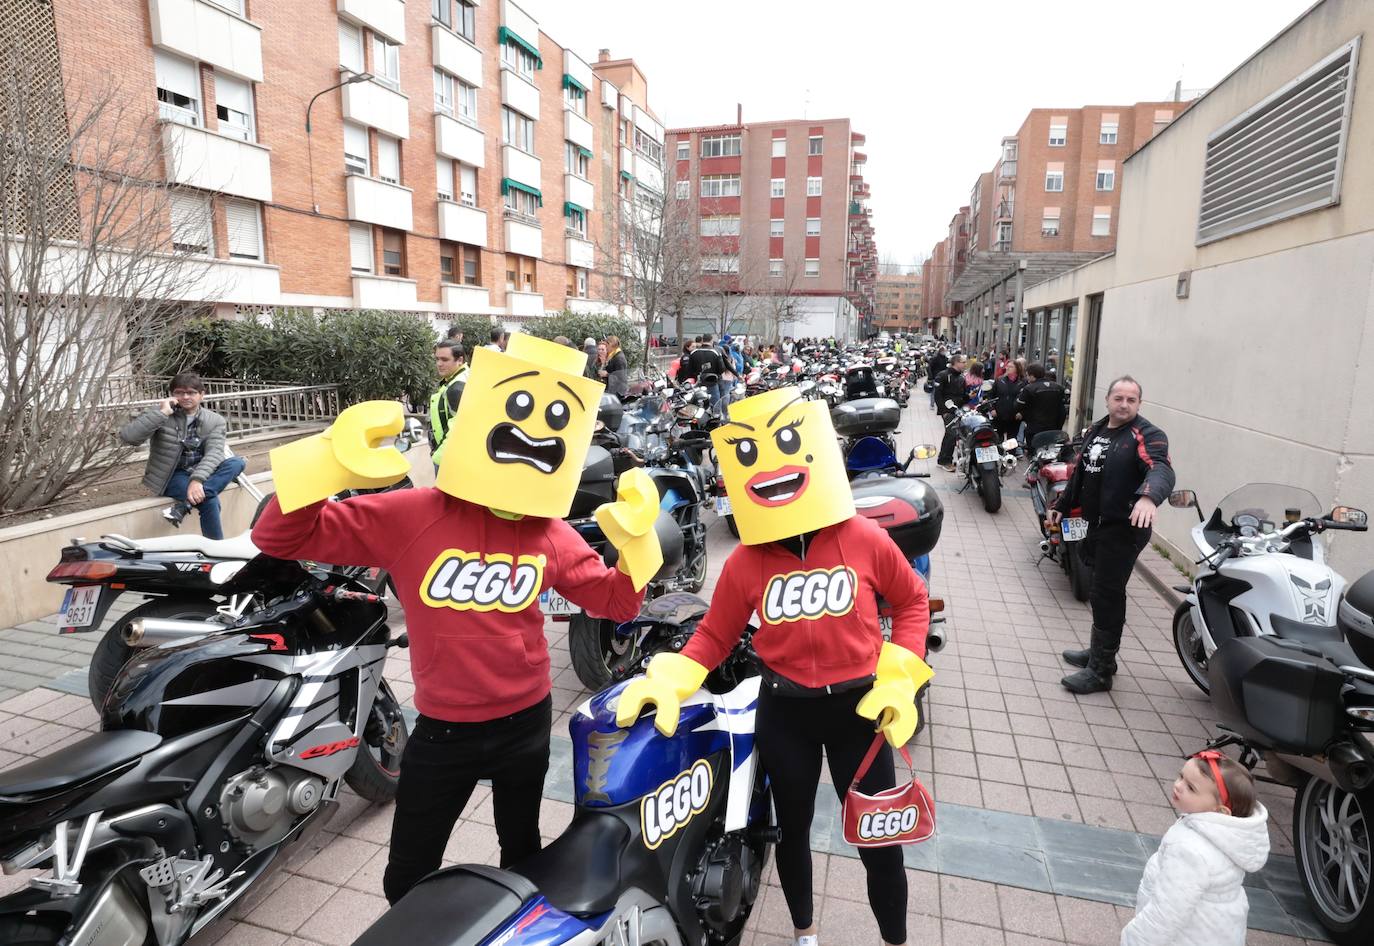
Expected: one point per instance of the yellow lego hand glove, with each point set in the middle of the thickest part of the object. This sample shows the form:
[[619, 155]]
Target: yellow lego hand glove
[[669, 680], [629, 526], [892, 701], [347, 455]]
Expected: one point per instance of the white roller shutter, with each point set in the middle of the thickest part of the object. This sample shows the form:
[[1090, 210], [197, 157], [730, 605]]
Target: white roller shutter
[[468, 184], [191, 229], [360, 247], [355, 148], [350, 47], [444, 174], [388, 159], [245, 229], [234, 97], [176, 74]]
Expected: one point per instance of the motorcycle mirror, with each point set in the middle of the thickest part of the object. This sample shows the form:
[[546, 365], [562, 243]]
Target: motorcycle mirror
[[1182, 498], [1349, 515], [924, 451], [987, 386], [949, 404], [402, 444]]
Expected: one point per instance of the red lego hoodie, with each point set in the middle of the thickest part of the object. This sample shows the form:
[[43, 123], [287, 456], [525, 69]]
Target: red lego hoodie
[[819, 614], [469, 581]]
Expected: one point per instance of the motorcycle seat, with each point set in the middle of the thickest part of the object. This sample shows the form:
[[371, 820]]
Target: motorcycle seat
[[235, 547], [456, 906], [1327, 640], [96, 755], [596, 844]]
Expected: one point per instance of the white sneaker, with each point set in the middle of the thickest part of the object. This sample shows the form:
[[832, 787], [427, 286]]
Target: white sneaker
[[812, 940]]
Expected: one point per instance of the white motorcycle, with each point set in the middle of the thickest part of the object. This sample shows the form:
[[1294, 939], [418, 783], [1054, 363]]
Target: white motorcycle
[[1263, 571]]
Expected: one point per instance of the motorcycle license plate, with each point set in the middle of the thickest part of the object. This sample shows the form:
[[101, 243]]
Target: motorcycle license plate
[[79, 605], [987, 454], [723, 506], [885, 622], [554, 604], [1075, 530]]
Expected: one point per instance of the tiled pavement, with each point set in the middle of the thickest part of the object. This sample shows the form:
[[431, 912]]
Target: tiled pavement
[[1048, 805]]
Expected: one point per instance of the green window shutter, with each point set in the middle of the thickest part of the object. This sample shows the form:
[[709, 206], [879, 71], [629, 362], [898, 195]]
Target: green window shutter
[[569, 207], [584, 152], [570, 83], [508, 185], [505, 34]]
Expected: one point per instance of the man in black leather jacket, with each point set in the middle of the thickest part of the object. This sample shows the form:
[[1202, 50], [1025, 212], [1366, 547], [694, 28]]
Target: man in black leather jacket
[[1040, 403], [1121, 476], [950, 387]]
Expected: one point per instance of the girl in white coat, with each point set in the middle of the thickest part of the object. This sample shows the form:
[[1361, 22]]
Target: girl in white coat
[[1191, 891]]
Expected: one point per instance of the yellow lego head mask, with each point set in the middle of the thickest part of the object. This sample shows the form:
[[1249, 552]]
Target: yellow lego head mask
[[521, 433], [782, 466]]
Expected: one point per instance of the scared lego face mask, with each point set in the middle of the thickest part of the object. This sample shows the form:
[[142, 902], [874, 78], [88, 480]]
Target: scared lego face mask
[[782, 467], [522, 430]]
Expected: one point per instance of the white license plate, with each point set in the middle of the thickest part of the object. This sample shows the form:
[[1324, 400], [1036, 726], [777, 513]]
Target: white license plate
[[552, 603], [1075, 530], [987, 454], [723, 507], [79, 605], [885, 622]]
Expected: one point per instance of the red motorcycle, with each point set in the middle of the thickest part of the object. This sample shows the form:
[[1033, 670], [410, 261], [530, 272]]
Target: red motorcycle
[[1047, 476]]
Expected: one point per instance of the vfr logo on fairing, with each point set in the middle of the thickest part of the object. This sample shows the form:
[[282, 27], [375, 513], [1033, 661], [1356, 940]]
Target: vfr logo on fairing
[[469, 581], [663, 812], [801, 595]]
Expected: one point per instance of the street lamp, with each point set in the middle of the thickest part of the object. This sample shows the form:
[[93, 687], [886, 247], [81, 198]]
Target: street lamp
[[309, 142]]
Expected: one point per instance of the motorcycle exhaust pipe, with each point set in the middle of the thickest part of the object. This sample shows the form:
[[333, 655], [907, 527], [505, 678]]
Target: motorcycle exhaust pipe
[[1045, 546], [154, 632], [935, 640]]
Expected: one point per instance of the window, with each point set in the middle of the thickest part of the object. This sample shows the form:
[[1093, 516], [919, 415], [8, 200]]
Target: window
[[442, 10], [465, 21], [684, 151], [775, 228], [388, 159], [1163, 117], [520, 274], [813, 187], [235, 6], [813, 144], [647, 146], [357, 159], [775, 265], [720, 226], [581, 284], [1102, 221], [522, 204], [517, 130], [467, 103], [393, 253], [681, 190], [577, 283], [444, 174], [472, 265], [515, 57], [720, 185], [720, 146], [777, 187], [779, 147], [445, 92], [178, 88], [467, 185], [192, 231], [575, 159], [1106, 179], [350, 47], [720, 264], [1108, 133], [813, 226], [575, 220], [574, 98], [1054, 180], [360, 247], [243, 221], [448, 262], [1049, 222], [813, 267], [1059, 132], [386, 62], [234, 107]]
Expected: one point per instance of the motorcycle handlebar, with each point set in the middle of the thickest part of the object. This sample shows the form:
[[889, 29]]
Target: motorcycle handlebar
[[343, 594]]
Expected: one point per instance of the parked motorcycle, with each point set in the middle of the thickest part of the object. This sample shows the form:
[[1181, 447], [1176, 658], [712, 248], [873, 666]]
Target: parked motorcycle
[[224, 745], [867, 427], [1047, 476], [980, 455]]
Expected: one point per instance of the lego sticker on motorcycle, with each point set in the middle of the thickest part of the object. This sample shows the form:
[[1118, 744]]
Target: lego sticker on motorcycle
[[663, 812]]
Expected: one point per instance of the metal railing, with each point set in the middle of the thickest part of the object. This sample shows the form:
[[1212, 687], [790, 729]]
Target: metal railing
[[248, 407]]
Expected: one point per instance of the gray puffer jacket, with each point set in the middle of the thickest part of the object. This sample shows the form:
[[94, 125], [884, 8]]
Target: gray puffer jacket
[[165, 451]]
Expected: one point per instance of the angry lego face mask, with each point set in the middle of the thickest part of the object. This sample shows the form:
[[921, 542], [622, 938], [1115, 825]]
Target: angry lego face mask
[[782, 466], [521, 433]]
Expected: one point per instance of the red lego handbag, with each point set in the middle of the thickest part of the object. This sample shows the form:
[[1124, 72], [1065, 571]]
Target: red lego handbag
[[901, 815]]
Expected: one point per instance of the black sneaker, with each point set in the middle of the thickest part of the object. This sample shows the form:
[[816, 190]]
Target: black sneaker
[[175, 513]]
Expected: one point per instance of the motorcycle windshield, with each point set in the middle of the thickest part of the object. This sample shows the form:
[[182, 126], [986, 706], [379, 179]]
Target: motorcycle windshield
[[1273, 504]]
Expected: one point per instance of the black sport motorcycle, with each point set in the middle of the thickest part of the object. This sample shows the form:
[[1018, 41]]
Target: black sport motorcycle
[[224, 744]]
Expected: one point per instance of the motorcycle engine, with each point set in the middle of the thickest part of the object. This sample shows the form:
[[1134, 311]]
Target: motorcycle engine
[[726, 882], [260, 805]]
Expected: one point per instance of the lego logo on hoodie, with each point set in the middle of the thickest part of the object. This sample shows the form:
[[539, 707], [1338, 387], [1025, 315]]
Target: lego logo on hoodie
[[804, 595], [470, 581]]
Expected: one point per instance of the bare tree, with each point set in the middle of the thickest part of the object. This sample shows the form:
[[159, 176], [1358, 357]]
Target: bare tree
[[773, 302], [89, 263]]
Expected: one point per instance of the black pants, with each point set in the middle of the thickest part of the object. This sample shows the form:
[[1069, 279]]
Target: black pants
[[1112, 549], [441, 766], [791, 733], [950, 439]]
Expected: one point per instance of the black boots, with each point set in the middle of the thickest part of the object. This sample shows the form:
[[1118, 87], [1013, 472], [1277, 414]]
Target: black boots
[[1076, 658], [1098, 663]]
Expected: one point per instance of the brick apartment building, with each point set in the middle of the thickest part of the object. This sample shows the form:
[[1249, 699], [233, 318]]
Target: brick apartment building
[[783, 212], [898, 303], [466, 164], [1048, 204]]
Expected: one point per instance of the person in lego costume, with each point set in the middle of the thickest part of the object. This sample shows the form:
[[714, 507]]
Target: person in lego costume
[[468, 559], [811, 569]]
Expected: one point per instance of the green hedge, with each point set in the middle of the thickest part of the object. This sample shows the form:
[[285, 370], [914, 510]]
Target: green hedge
[[579, 327]]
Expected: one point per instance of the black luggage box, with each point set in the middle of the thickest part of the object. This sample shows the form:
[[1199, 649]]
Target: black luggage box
[[1277, 694], [906, 507], [866, 415], [597, 484]]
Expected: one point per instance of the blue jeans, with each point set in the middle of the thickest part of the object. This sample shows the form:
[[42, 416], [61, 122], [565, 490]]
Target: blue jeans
[[209, 506], [720, 396]]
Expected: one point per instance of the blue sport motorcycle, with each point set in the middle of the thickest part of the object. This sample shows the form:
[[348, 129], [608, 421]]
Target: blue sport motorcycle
[[666, 848]]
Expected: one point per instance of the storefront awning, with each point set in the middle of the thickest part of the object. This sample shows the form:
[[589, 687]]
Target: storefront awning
[[506, 34]]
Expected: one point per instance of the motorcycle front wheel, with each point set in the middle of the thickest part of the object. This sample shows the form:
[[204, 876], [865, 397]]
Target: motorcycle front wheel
[[1191, 651], [28, 931], [111, 654], [594, 648], [1331, 838], [376, 769]]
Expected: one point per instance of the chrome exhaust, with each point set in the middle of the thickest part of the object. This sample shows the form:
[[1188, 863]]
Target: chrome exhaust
[[1045, 546], [154, 632], [935, 640]]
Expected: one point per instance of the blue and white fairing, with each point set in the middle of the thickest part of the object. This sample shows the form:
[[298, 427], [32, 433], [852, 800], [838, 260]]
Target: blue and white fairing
[[614, 766]]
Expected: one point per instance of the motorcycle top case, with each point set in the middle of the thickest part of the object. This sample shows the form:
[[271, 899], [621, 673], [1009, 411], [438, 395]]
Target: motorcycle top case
[[866, 415], [596, 485], [906, 507], [1276, 694]]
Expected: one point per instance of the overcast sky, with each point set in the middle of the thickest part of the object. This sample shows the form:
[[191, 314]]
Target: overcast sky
[[933, 86]]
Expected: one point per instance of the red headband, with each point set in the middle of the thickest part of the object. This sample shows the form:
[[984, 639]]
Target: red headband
[[1212, 757]]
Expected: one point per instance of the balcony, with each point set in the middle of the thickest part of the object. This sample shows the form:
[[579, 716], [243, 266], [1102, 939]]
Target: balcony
[[648, 173], [459, 140], [374, 105], [1006, 171], [242, 282], [456, 55], [472, 299], [855, 138], [524, 237], [577, 129], [627, 160], [374, 201], [579, 252], [519, 94], [199, 29], [855, 209], [462, 224], [383, 292], [524, 303], [387, 17], [860, 157], [213, 162], [519, 166], [592, 307], [610, 96], [579, 70], [1004, 210], [519, 22], [578, 191]]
